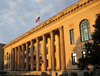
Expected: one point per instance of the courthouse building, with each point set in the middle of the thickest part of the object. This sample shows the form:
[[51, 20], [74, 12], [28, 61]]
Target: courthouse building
[[55, 44]]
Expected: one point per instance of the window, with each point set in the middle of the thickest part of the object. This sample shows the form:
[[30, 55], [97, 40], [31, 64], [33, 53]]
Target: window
[[34, 49], [7, 53], [47, 50], [29, 58], [46, 41], [25, 55], [40, 56], [29, 50], [9, 56], [39, 46], [47, 63], [25, 65], [21, 56], [34, 65], [25, 47], [85, 30], [55, 62], [34, 57], [9, 66], [74, 59], [72, 39], [83, 54], [54, 48]]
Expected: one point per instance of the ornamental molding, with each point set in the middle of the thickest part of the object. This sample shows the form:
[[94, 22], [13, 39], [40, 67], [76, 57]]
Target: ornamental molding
[[68, 11]]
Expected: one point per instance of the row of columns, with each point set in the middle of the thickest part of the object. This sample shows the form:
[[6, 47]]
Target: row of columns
[[18, 56]]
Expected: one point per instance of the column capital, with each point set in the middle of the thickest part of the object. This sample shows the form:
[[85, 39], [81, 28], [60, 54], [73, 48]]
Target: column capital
[[60, 27], [51, 31], [31, 40]]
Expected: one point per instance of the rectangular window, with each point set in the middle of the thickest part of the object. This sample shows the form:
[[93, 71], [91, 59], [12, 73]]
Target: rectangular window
[[72, 39], [74, 59], [34, 57], [29, 50], [25, 47], [34, 49], [83, 54], [47, 63], [39, 46], [29, 58], [9, 66], [55, 62], [40, 56], [9, 56], [47, 50], [25, 65], [46, 41], [25, 55], [54, 48]]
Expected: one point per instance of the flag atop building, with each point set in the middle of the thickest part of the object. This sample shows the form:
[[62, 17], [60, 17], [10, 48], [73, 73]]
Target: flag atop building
[[37, 19]]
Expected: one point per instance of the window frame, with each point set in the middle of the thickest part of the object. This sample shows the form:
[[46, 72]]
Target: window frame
[[40, 48], [72, 37], [34, 57], [82, 34], [29, 50], [46, 50], [34, 48], [84, 54], [74, 63], [40, 56]]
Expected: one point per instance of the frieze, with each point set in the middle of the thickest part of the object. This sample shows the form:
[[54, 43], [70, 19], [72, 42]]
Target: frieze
[[59, 16]]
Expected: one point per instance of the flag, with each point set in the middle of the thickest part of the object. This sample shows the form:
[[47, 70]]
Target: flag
[[37, 19]]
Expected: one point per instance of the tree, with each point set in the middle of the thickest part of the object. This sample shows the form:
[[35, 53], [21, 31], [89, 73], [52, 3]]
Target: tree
[[92, 49]]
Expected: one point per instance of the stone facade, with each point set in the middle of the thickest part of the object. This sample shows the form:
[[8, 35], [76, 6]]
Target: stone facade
[[1, 56], [55, 44]]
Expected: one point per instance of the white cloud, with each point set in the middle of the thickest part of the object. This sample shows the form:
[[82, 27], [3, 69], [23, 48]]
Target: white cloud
[[18, 16]]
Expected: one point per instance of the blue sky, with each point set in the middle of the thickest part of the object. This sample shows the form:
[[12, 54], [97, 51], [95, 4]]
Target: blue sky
[[18, 16]]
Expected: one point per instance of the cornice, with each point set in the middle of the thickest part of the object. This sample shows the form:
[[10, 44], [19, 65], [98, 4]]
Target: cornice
[[73, 8]]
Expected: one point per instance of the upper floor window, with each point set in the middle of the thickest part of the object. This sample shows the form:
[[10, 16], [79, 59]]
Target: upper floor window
[[39, 46], [74, 58], [72, 36], [85, 30], [29, 50], [34, 48]]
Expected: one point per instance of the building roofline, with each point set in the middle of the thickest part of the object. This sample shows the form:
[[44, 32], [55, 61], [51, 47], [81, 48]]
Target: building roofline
[[73, 8]]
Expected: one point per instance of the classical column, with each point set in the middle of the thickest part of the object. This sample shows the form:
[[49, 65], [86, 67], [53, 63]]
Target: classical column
[[23, 57], [12, 59], [32, 56], [16, 58], [37, 55], [19, 57], [63, 67], [52, 51], [44, 53], [27, 56]]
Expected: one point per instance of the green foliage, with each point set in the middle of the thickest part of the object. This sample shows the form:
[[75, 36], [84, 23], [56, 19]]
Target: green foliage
[[92, 49]]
